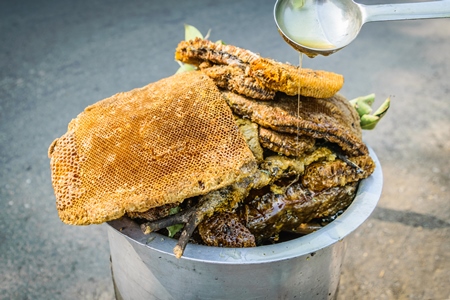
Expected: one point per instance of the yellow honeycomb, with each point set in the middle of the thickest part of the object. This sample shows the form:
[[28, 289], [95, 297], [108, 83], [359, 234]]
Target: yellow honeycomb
[[159, 144]]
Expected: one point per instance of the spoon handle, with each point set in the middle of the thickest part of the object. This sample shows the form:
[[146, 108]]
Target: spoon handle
[[406, 11]]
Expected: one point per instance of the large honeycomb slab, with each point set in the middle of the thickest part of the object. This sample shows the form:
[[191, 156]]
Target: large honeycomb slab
[[159, 144]]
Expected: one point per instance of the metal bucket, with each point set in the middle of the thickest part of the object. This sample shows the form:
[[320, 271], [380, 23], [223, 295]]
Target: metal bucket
[[144, 266]]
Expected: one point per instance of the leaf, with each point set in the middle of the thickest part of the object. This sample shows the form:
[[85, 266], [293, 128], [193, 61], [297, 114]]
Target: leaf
[[368, 122], [382, 110], [190, 32], [207, 34], [185, 68], [174, 229], [363, 104], [174, 210], [177, 227]]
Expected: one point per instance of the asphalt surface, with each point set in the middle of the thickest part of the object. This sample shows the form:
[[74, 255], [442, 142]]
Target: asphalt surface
[[57, 57]]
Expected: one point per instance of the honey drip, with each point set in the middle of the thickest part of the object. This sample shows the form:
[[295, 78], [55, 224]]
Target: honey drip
[[300, 63]]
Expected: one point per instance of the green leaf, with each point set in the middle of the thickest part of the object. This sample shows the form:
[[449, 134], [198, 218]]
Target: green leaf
[[368, 122], [363, 109], [363, 104], [174, 210], [174, 229], [190, 32], [177, 227], [382, 110], [368, 99], [185, 68]]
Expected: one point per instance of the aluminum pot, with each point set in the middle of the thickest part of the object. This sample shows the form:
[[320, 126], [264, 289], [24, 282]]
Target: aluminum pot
[[144, 266]]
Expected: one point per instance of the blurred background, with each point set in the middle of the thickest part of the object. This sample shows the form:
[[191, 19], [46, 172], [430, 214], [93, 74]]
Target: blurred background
[[59, 56]]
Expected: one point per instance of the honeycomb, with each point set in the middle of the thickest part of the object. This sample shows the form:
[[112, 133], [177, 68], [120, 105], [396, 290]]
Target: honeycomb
[[225, 230], [159, 144]]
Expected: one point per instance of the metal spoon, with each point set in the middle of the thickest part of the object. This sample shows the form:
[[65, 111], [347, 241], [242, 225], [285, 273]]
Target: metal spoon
[[326, 26]]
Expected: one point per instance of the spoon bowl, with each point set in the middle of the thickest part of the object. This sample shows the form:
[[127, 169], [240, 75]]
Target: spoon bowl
[[326, 26]]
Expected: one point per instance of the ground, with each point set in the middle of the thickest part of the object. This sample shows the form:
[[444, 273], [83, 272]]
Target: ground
[[57, 57]]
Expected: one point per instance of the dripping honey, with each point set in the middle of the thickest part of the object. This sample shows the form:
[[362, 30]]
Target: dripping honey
[[300, 63]]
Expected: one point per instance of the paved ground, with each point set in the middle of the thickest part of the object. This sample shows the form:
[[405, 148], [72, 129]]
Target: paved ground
[[57, 57]]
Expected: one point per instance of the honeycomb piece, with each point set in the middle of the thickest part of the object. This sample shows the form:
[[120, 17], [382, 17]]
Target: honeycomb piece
[[285, 143], [272, 213], [159, 144], [325, 174], [225, 230], [332, 119], [234, 79], [197, 51], [291, 79]]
